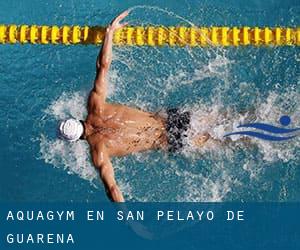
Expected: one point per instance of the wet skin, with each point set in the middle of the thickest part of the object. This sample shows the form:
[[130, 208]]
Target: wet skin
[[118, 130], [112, 129], [123, 130]]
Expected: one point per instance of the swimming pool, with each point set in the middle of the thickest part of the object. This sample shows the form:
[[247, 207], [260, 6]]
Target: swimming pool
[[42, 84]]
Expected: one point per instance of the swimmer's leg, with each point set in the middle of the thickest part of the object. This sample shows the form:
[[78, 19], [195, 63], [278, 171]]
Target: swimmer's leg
[[200, 140]]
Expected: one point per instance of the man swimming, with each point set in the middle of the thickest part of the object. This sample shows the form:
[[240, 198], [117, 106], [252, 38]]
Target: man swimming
[[117, 130]]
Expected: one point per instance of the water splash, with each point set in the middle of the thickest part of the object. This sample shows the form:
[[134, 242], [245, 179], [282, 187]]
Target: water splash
[[192, 185], [74, 158], [214, 84]]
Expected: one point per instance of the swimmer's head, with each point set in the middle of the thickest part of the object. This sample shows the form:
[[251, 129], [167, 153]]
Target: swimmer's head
[[70, 130]]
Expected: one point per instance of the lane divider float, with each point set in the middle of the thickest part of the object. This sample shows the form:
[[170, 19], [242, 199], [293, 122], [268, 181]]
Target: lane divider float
[[152, 35]]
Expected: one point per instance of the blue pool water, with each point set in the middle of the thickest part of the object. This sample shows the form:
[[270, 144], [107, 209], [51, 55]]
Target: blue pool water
[[42, 84]]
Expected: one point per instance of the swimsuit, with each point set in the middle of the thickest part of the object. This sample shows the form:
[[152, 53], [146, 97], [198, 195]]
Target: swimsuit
[[177, 124]]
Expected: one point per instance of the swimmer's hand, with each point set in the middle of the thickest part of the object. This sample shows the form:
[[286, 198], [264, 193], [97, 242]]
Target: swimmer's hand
[[115, 24], [105, 57]]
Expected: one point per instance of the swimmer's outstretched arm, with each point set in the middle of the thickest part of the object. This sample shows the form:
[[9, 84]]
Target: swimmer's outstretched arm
[[105, 56], [103, 164]]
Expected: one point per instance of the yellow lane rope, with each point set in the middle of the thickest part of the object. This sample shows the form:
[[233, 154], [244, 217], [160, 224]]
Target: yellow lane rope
[[152, 35]]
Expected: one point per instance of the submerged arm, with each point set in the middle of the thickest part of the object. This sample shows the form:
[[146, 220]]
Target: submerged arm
[[105, 56]]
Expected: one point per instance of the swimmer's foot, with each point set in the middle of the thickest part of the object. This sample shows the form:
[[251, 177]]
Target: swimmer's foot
[[200, 140]]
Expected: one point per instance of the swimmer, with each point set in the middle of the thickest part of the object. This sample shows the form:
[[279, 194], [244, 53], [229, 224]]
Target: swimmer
[[114, 130]]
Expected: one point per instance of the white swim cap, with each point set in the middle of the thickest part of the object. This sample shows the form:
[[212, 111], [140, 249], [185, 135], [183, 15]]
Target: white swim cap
[[70, 130]]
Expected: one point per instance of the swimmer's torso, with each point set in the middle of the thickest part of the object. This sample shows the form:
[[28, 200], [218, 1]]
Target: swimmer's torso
[[124, 130]]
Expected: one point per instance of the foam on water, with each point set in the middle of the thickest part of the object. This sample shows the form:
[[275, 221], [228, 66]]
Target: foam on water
[[73, 157], [211, 189], [212, 186], [200, 81], [218, 120]]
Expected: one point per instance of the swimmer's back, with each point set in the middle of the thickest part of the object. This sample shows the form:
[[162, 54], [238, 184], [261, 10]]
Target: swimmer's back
[[126, 130]]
